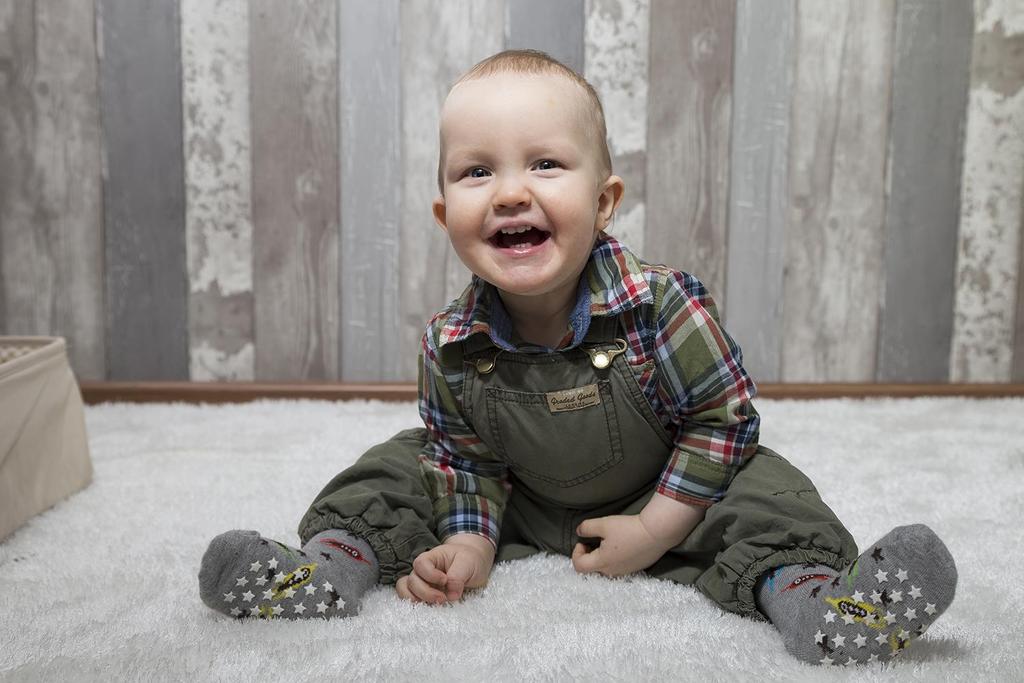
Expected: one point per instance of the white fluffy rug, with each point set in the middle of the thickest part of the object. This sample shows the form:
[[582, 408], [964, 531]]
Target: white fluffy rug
[[103, 586]]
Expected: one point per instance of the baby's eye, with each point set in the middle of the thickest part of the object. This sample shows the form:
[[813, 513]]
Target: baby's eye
[[547, 164], [477, 172]]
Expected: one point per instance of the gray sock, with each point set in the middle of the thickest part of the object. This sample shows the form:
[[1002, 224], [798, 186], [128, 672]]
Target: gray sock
[[245, 575], [870, 611]]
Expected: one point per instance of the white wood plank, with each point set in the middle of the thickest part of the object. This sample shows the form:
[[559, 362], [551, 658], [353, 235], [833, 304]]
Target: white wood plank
[[440, 41], [836, 190], [616, 43], [371, 189], [762, 93], [988, 247], [218, 181]]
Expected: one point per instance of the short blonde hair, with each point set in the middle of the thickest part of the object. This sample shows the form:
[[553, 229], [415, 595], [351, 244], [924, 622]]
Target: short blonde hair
[[537, 62]]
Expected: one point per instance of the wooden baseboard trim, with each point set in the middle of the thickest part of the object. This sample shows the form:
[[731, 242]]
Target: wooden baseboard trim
[[241, 392]]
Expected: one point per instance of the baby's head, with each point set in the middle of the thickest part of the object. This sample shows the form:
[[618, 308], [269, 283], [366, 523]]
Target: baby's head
[[537, 63], [524, 173]]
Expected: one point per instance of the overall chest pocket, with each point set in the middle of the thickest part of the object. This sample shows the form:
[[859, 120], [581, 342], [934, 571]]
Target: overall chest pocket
[[561, 439]]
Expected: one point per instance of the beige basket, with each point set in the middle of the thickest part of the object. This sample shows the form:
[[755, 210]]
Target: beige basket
[[44, 456]]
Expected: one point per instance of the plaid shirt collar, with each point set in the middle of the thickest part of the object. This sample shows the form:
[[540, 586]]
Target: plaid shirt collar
[[613, 282]]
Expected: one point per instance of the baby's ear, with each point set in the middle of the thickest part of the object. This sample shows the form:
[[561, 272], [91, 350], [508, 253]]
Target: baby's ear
[[609, 199], [440, 212]]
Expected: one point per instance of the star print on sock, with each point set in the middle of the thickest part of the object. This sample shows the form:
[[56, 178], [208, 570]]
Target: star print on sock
[[881, 576], [321, 607], [902, 575], [248, 596], [255, 567], [914, 592], [877, 555]]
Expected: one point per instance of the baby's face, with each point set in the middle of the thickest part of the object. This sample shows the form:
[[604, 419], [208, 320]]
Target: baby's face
[[524, 192]]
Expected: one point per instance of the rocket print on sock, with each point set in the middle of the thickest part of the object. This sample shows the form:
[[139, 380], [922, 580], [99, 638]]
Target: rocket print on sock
[[345, 548], [292, 582]]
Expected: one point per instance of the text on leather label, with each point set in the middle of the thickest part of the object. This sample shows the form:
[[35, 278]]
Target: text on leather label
[[573, 399]]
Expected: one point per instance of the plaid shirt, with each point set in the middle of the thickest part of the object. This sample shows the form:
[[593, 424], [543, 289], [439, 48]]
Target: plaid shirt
[[696, 385]]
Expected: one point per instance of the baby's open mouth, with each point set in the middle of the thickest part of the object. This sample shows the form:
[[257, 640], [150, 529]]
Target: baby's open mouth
[[522, 237]]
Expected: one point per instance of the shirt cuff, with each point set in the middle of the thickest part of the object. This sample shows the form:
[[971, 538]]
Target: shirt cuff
[[467, 514], [695, 479]]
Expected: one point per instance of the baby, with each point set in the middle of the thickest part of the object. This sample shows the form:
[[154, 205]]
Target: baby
[[577, 400]]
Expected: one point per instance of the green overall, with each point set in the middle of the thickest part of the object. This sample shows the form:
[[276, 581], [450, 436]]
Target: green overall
[[581, 441]]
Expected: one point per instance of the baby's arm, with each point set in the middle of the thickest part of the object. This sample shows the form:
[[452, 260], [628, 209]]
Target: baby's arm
[[630, 543], [442, 573]]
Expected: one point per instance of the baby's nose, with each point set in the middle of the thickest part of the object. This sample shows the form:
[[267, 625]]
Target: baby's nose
[[511, 192]]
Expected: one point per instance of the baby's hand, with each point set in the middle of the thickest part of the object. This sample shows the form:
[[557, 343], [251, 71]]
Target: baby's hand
[[626, 546], [442, 574]]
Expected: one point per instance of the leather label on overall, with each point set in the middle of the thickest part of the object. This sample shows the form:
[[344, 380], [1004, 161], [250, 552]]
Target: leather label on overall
[[573, 399]]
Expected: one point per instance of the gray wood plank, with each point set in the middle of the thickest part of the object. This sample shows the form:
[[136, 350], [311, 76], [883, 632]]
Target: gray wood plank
[[762, 93], [988, 258], [930, 82], [218, 181], [440, 41], [1017, 369], [143, 198], [553, 27], [51, 235], [836, 190], [617, 42], [689, 114], [371, 189], [294, 92]]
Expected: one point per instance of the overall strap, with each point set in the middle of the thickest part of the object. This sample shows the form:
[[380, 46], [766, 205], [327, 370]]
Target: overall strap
[[603, 329]]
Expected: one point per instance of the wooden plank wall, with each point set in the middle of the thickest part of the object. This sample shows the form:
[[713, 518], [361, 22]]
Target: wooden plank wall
[[987, 284], [240, 189], [51, 236], [762, 93], [143, 190], [218, 191]]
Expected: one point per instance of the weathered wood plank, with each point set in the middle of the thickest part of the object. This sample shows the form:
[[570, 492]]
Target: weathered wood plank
[[294, 91], [689, 115], [988, 247], [1017, 370], [218, 181], [836, 190], [440, 41], [51, 235], [554, 27], [930, 81], [616, 41], [371, 184], [143, 198], [762, 92]]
